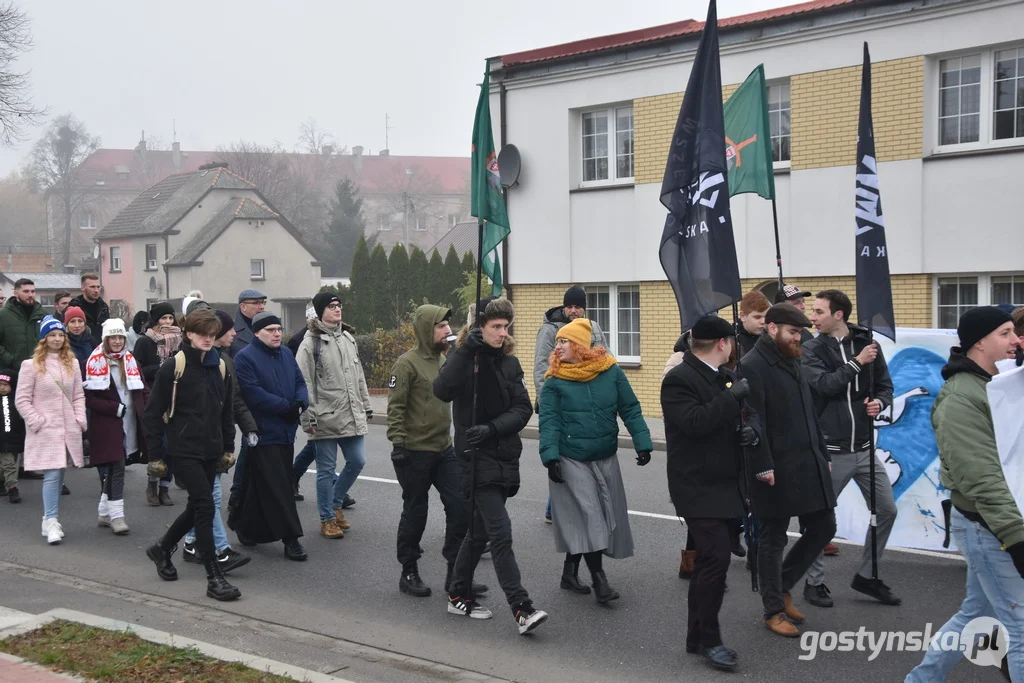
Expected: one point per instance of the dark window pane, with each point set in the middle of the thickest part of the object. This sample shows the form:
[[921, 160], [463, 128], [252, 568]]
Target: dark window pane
[[948, 318], [624, 167], [970, 127], [947, 293], [1004, 127], [950, 101], [777, 149], [590, 170], [948, 78], [1002, 292], [601, 123], [1020, 92], [968, 293], [970, 99], [588, 124], [972, 75], [1005, 94], [588, 147], [1006, 64], [1018, 292], [949, 131], [785, 149], [774, 121], [602, 168], [1020, 123], [785, 125], [601, 145]]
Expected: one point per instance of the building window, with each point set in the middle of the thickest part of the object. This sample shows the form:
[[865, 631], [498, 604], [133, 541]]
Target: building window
[[956, 295], [980, 100], [779, 110], [607, 144], [150, 257], [383, 221], [419, 222], [616, 308], [1008, 95], [86, 221], [1008, 289], [115, 259], [256, 268], [959, 100]]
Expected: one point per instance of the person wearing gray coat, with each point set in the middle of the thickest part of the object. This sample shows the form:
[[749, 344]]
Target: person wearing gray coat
[[339, 408]]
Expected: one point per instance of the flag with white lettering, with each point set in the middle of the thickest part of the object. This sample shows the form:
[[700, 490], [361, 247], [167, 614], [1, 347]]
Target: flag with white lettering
[[874, 288], [698, 251]]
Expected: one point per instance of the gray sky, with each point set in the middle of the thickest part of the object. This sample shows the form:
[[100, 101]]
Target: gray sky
[[225, 70]]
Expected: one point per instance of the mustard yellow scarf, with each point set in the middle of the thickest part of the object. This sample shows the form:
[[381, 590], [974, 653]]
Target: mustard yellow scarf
[[582, 372]]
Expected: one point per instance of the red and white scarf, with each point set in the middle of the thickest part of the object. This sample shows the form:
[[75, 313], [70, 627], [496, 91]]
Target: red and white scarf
[[97, 370]]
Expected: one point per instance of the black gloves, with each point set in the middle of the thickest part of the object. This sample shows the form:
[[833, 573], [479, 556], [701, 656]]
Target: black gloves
[[475, 339], [369, 415], [476, 434], [555, 471], [1017, 555], [294, 410], [748, 437], [398, 453], [740, 389], [643, 457]]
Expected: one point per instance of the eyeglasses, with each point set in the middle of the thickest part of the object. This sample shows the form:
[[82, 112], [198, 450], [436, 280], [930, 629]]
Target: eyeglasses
[[253, 302], [334, 306]]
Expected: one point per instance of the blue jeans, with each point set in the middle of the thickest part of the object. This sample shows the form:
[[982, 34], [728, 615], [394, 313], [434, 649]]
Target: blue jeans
[[303, 460], [52, 481], [994, 589], [220, 534], [353, 448]]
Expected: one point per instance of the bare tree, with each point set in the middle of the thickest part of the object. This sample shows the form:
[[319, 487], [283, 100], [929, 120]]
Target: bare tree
[[16, 109], [55, 161], [265, 166], [22, 212]]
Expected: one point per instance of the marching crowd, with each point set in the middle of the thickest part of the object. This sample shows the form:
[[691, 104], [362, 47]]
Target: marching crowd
[[764, 422]]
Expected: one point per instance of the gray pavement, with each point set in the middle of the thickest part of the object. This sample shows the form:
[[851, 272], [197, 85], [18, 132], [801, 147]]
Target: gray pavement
[[341, 612]]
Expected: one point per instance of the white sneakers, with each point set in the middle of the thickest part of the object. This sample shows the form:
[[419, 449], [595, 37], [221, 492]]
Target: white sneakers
[[52, 530]]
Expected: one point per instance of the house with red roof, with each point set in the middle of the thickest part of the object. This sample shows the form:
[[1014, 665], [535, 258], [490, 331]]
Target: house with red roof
[[593, 121]]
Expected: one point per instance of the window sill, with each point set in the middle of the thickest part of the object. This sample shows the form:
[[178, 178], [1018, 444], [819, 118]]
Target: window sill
[[149, 270], [630, 364], [113, 271], [609, 186], [975, 151], [254, 279]]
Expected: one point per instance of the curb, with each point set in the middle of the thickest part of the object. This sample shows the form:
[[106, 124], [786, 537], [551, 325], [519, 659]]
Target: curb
[[533, 432], [164, 638]]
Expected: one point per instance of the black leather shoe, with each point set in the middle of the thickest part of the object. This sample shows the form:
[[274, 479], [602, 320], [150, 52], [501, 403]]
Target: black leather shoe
[[571, 580], [217, 586], [737, 548], [294, 551], [413, 585], [720, 657], [819, 596], [876, 589], [64, 490], [295, 494], [693, 648], [602, 590], [348, 502], [162, 559]]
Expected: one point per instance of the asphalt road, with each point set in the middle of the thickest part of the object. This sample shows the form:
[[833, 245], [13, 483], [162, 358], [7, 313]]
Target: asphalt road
[[319, 613]]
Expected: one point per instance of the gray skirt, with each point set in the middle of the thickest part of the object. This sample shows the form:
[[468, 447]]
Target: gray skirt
[[589, 511]]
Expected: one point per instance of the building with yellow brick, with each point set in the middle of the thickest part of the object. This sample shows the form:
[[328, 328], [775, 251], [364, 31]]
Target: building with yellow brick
[[593, 122]]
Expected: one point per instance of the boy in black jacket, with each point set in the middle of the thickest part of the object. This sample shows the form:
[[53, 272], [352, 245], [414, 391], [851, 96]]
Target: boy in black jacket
[[12, 436], [488, 450]]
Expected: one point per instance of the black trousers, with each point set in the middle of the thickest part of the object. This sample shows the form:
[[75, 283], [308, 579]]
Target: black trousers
[[416, 473], [197, 476], [712, 539], [490, 522], [777, 575]]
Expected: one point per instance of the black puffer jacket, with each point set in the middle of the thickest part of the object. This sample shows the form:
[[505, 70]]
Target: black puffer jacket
[[503, 402], [791, 443], [203, 423], [840, 385]]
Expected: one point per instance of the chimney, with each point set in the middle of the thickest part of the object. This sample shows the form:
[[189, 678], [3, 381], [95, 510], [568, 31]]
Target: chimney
[[357, 157], [176, 156], [385, 152], [328, 150]]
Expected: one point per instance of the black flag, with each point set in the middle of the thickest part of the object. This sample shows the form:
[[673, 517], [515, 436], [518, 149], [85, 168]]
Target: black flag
[[698, 251], [874, 289]]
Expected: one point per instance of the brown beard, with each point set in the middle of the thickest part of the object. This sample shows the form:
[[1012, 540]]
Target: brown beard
[[789, 350]]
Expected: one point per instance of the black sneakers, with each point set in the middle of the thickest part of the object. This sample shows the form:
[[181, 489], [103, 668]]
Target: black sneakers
[[412, 584], [227, 559], [190, 554], [527, 618], [13, 495], [819, 596], [876, 589], [348, 502]]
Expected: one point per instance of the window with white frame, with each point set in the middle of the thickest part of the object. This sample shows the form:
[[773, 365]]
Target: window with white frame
[[419, 222], [115, 259], [955, 294], [607, 145], [150, 257], [86, 221], [256, 269], [616, 309], [981, 99], [779, 110]]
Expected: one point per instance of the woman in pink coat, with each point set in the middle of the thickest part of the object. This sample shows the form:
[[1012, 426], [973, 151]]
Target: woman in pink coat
[[51, 400]]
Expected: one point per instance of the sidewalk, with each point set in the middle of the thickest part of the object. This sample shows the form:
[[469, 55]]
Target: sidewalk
[[655, 424]]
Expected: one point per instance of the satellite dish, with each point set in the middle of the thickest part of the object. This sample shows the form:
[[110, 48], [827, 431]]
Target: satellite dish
[[95, 251], [509, 166]]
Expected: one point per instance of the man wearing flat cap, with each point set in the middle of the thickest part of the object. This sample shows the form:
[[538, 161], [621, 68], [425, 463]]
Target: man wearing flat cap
[[251, 302], [702, 404], [789, 467]]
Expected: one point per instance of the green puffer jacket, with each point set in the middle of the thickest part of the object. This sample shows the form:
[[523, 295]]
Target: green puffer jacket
[[578, 419], [19, 332], [969, 461]]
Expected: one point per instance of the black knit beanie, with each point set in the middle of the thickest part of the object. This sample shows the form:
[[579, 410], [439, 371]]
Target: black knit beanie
[[978, 323], [321, 300], [575, 296]]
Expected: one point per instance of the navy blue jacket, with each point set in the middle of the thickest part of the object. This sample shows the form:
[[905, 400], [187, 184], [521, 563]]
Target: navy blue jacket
[[82, 346], [270, 382]]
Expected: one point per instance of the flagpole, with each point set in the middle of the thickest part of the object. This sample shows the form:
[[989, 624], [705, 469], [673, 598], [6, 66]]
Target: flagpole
[[778, 247], [476, 377], [871, 454]]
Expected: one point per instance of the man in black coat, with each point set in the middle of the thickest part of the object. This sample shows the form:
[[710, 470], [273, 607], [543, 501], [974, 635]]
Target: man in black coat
[[488, 449], [789, 466], [840, 364], [96, 309], [702, 407]]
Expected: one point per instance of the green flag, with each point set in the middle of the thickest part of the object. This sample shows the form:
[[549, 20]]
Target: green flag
[[748, 141], [488, 203]]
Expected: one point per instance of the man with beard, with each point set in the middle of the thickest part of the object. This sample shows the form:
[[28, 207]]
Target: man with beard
[[789, 466], [702, 405], [419, 429], [96, 309], [753, 307], [275, 392]]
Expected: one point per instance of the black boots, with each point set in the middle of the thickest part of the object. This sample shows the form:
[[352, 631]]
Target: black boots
[[217, 587], [412, 584], [478, 588], [571, 579], [294, 551], [162, 559], [602, 590]]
